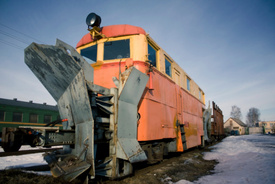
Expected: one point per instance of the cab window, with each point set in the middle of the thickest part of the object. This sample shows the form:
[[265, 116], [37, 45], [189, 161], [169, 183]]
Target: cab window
[[168, 67], [89, 54], [152, 55], [188, 84], [117, 49]]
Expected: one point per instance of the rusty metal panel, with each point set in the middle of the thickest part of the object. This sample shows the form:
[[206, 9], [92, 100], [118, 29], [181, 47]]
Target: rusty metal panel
[[217, 124]]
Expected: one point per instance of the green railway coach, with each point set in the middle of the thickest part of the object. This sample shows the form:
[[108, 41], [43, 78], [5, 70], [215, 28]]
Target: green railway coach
[[15, 113]]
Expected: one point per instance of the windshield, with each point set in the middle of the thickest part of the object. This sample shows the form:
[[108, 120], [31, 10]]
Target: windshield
[[117, 49], [89, 54]]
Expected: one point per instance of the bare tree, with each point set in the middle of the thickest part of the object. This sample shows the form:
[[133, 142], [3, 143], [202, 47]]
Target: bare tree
[[236, 112], [253, 116], [273, 129]]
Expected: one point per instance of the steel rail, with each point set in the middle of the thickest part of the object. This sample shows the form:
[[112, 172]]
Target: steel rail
[[25, 152]]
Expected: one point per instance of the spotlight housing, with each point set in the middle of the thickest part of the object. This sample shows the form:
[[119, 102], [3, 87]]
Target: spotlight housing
[[93, 20]]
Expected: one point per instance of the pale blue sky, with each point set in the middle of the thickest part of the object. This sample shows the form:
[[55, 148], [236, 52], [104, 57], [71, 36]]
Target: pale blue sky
[[226, 46]]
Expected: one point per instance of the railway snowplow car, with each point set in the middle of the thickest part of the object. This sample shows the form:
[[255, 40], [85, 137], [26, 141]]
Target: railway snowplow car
[[123, 100]]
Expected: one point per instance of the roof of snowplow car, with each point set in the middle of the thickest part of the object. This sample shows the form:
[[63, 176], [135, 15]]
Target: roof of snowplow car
[[112, 31]]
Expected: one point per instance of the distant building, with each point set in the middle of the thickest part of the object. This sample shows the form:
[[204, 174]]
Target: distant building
[[235, 126], [14, 113], [269, 126], [256, 130]]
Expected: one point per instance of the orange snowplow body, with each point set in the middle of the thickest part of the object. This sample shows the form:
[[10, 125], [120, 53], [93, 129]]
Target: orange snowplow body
[[167, 109], [160, 107]]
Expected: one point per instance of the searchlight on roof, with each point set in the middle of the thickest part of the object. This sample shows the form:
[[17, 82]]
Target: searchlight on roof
[[93, 20]]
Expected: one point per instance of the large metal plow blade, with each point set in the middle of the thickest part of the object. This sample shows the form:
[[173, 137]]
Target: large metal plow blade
[[64, 73]]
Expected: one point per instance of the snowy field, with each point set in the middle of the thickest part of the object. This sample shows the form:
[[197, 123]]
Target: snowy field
[[23, 160], [13, 161], [248, 159]]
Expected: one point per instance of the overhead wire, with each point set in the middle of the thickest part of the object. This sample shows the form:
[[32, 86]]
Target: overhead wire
[[21, 33], [12, 44], [16, 38], [13, 37]]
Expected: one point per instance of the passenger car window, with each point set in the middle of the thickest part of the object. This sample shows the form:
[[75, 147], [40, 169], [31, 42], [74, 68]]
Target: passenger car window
[[2, 115], [47, 118], [17, 117], [33, 118]]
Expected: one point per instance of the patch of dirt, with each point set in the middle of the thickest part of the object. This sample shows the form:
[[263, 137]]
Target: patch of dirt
[[189, 165], [17, 176]]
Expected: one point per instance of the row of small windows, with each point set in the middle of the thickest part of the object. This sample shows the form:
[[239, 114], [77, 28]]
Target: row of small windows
[[152, 57], [18, 117], [121, 49], [112, 50]]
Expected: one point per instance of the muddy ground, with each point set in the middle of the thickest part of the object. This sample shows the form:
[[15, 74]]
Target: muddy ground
[[189, 166]]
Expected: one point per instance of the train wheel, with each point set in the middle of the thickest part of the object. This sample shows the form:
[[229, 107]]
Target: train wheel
[[12, 143]]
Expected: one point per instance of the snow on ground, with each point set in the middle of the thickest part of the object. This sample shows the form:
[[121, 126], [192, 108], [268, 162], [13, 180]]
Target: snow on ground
[[22, 160], [244, 159]]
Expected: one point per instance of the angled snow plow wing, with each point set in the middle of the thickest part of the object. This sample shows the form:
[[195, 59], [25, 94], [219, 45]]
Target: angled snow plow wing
[[131, 89], [103, 121], [63, 76]]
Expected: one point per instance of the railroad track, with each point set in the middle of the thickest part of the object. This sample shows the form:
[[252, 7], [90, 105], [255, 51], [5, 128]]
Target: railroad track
[[25, 152]]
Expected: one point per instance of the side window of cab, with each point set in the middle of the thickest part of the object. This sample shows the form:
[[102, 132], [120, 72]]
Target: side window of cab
[[168, 67], [152, 54]]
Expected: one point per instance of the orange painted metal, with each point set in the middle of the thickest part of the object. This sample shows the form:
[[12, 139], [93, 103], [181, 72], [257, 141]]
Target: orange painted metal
[[162, 106], [113, 31]]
